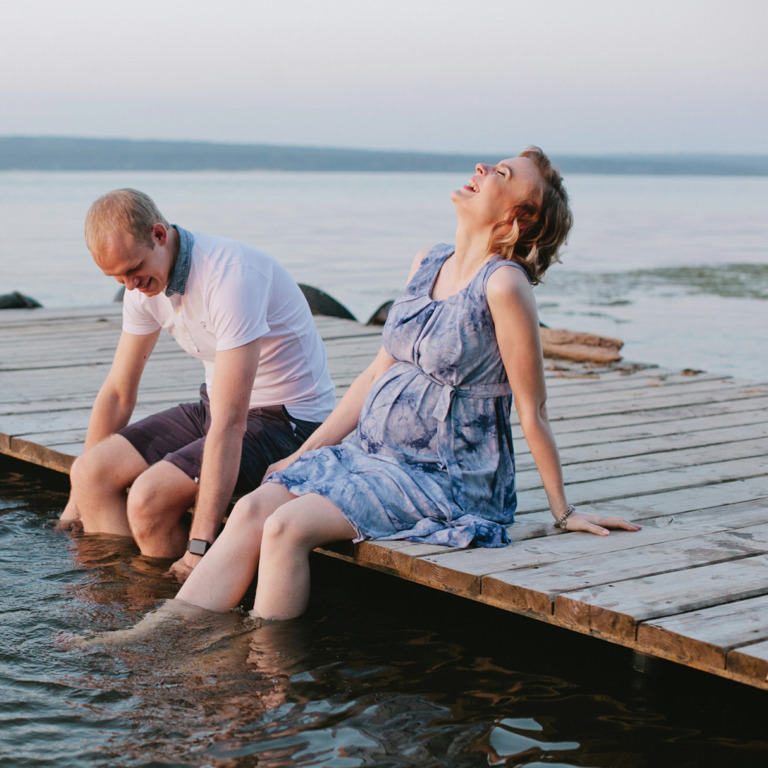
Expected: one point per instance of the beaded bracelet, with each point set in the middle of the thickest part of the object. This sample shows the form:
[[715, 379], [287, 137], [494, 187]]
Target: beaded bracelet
[[561, 523]]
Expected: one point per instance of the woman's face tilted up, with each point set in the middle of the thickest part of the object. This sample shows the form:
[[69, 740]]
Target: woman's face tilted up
[[494, 190]]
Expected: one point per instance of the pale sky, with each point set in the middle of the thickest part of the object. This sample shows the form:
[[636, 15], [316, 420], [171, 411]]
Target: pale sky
[[574, 76]]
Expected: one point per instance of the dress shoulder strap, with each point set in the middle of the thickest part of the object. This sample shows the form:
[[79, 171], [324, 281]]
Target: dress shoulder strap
[[498, 261]]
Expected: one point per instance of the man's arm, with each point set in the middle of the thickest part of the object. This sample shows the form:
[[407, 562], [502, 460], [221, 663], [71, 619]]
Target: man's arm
[[115, 401], [234, 372]]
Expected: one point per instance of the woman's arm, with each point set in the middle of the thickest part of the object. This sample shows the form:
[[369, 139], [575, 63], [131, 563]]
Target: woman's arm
[[346, 414], [513, 308]]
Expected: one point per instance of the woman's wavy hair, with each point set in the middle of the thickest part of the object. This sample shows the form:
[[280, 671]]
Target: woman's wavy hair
[[538, 227], [122, 210]]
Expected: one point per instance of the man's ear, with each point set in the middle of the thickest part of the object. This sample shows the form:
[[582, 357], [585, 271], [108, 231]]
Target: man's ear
[[159, 234]]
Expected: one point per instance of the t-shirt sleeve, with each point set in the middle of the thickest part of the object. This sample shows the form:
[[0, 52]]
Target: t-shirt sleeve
[[136, 318], [238, 306]]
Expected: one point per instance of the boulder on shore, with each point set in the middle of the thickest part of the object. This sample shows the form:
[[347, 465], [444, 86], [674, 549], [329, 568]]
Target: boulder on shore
[[17, 300]]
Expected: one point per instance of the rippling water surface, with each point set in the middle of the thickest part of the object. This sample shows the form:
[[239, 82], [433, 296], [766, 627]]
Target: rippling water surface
[[378, 673]]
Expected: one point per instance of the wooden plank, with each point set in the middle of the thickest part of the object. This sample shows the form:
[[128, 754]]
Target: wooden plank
[[632, 398], [705, 502], [684, 410], [749, 664], [586, 470], [703, 639], [674, 428], [654, 552], [617, 488], [613, 611], [658, 447]]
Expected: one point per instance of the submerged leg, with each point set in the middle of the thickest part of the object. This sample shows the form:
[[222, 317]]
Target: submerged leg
[[100, 478], [157, 502], [171, 613], [223, 576], [290, 534]]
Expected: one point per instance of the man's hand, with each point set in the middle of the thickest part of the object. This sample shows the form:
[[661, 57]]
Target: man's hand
[[282, 464], [181, 569]]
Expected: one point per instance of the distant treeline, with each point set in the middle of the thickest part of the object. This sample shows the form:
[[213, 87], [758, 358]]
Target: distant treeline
[[23, 153]]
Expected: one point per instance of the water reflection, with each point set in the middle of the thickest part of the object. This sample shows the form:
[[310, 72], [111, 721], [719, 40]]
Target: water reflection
[[378, 673]]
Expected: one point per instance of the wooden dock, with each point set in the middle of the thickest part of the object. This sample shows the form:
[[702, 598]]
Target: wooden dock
[[683, 453]]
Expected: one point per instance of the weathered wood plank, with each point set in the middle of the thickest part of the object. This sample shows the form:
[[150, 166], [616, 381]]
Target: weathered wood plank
[[658, 447], [703, 639], [578, 423], [654, 553], [613, 611], [676, 429], [533, 498], [749, 664], [586, 469]]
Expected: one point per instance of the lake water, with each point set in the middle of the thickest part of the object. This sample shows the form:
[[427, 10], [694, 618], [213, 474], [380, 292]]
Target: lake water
[[676, 267], [377, 673]]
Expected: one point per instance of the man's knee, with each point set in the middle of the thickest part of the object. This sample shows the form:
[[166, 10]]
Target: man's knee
[[92, 469], [142, 507], [159, 496]]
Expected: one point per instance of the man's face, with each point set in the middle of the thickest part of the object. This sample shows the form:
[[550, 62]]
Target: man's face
[[135, 264]]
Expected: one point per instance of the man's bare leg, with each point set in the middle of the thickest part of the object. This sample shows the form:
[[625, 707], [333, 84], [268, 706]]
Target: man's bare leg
[[156, 503], [100, 478]]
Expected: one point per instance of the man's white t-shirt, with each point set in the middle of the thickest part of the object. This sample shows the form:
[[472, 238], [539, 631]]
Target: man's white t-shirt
[[235, 294]]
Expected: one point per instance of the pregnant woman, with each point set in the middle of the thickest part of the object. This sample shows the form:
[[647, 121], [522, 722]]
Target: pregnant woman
[[431, 459]]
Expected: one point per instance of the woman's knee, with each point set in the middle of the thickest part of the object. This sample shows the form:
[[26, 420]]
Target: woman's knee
[[284, 527], [250, 513]]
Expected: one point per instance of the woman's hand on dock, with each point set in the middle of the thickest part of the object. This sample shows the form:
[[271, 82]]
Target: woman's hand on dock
[[598, 524]]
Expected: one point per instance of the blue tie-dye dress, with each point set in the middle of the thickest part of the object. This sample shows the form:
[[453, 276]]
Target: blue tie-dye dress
[[432, 457]]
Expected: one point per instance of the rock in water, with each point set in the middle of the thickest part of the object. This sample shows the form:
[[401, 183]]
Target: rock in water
[[320, 303], [379, 317], [17, 300]]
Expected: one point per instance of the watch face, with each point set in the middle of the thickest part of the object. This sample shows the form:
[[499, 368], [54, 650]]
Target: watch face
[[197, 546]]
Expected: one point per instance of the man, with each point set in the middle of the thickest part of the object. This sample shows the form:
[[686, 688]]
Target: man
[[239, 311]]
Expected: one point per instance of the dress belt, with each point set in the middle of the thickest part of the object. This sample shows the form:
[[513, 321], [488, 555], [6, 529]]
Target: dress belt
[[446, 431], [449, 391]]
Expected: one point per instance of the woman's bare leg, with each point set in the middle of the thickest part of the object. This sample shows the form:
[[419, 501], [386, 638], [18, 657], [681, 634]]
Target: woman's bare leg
[[223, 576], [290, 534]]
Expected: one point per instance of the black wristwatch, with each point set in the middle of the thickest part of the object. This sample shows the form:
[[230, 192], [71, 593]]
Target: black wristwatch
[[198, 546]]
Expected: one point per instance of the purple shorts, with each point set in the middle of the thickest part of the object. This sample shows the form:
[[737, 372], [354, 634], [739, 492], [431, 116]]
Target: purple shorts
[[178, 436]]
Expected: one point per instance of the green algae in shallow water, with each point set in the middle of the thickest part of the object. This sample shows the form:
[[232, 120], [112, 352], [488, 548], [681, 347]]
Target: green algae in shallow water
[[741, 281], [747, 281]]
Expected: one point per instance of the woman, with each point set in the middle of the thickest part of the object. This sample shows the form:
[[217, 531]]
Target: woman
[[432, 456]]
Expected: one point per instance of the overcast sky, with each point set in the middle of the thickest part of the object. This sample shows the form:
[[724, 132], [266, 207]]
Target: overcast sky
[[580, 76]]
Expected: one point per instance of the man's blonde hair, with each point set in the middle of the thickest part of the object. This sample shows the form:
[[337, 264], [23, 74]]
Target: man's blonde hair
[[122, 210]]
